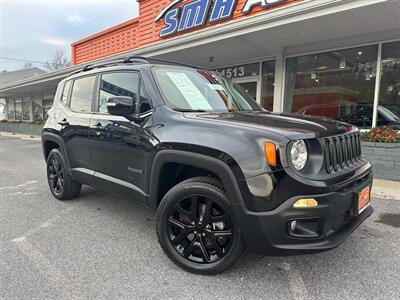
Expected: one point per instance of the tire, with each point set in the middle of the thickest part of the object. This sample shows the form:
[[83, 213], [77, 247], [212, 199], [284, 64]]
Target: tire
[[196, 227], [61, 184]]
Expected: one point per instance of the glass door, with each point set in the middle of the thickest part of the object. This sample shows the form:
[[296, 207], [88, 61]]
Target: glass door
[[251, 85]]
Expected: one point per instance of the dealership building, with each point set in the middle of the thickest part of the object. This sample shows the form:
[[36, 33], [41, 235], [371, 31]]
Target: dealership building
[[334, 58]]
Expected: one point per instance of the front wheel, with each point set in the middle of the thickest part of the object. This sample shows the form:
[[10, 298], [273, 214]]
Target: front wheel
[[196, 228]]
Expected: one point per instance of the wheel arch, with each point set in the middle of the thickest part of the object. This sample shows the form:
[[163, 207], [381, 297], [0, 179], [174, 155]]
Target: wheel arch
[[52, 141], [195, 160]]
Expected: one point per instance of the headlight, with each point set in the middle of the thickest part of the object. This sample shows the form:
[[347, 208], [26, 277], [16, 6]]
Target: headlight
[[299, 154]]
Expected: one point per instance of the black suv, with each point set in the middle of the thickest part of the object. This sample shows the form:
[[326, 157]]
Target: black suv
[[222, 173]]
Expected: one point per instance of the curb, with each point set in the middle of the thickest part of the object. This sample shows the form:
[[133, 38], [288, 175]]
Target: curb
[[386, 189], [26, 137]]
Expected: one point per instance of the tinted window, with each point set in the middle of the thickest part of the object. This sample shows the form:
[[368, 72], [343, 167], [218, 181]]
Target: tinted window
[[82, 94], [118, 84], [64, 97]]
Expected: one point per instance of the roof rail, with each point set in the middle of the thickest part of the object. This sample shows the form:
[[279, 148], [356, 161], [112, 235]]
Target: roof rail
[[149, 60], [128, 60], [98, 65]]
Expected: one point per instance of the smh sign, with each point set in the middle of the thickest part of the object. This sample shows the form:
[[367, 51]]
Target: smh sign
[[200, 12]]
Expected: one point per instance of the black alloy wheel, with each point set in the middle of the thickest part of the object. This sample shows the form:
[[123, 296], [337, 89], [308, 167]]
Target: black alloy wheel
[[56, 175], [196, 228], [199, 229]]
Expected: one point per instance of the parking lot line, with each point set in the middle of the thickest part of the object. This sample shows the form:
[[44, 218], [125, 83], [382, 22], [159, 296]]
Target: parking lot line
[[43, 266], [13, 187], [40, 262], [46, 224]]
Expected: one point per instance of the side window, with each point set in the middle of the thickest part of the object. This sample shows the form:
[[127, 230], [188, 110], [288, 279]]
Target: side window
[[82, 94], [118, 84], [144, 103], [64, 96]]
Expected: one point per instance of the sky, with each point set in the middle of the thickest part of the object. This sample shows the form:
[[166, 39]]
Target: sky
[[33, 30]]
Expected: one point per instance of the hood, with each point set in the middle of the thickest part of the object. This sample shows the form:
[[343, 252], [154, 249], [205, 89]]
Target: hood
[[293, 126]]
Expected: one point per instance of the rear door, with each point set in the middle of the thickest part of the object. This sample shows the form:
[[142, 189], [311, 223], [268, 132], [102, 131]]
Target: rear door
[[120, 147], [75, 132]]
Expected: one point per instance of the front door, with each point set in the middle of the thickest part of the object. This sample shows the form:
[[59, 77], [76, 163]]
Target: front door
[[251, 85], [121, 148]]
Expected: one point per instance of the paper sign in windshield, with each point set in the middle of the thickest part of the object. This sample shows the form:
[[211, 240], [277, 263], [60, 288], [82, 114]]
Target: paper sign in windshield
[[216, 87], [192, 94]]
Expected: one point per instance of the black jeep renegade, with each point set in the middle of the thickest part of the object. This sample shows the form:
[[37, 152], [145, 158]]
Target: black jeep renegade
[[223, 173]]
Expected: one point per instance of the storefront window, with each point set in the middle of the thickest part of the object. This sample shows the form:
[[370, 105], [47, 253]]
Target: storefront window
[[37, 106], [18, 109], [10, 109], [389, 98], [268, 85], [26, 109], [47, 104], [338, 84]]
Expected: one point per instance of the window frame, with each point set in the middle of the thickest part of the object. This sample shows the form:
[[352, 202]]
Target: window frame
[[68, 104], [96, 109]]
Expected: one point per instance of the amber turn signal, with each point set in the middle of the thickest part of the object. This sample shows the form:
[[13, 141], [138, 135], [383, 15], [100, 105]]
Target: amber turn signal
[[270, 153], [304, 203]]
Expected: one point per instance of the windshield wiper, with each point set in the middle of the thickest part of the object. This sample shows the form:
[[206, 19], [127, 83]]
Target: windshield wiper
[[188, 110]]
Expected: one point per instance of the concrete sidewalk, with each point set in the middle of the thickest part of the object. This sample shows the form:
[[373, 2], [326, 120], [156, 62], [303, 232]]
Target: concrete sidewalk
[[381, 188]]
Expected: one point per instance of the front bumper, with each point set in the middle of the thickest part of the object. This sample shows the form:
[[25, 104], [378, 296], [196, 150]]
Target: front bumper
[[334, 219]]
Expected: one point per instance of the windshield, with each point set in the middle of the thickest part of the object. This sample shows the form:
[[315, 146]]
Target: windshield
[[187, 89]]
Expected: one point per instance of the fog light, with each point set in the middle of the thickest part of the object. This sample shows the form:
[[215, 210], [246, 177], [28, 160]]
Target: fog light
[[303, 203], [293, 226], [305, 228]]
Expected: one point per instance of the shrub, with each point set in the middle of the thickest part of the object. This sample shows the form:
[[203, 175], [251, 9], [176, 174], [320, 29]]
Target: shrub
[[381, 135]]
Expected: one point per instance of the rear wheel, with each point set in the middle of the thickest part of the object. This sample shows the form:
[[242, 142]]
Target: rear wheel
[[196, 228], [61, 184]]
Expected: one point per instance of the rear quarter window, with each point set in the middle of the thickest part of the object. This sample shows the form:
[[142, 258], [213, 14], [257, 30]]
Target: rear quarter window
[[64, 96], [82, 94]]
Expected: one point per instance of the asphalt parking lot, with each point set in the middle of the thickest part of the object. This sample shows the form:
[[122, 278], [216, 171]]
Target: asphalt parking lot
[[100, 246]]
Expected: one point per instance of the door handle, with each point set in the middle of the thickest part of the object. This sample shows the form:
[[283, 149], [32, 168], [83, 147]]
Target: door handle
[[98, 128], [63, 122]]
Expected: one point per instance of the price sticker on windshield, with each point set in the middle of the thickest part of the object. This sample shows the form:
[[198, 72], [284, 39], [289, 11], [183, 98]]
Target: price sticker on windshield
[[188, 89]]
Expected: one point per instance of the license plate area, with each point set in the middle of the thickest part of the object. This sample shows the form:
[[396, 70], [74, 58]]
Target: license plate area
[[364, 200]]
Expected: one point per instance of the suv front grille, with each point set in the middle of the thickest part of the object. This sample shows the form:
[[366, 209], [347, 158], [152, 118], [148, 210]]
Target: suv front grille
[[341, 151]]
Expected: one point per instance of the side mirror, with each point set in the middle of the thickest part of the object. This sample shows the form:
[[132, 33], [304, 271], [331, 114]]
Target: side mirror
[[120, 105]]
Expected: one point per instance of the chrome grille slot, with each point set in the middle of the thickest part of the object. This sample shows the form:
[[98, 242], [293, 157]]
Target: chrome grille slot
[[341, 151]]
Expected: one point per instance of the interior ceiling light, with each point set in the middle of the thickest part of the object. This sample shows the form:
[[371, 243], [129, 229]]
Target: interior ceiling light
[[313, 75], [342, 64]]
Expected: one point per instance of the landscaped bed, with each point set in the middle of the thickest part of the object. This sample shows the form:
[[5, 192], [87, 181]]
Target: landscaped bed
[[382, 147]]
